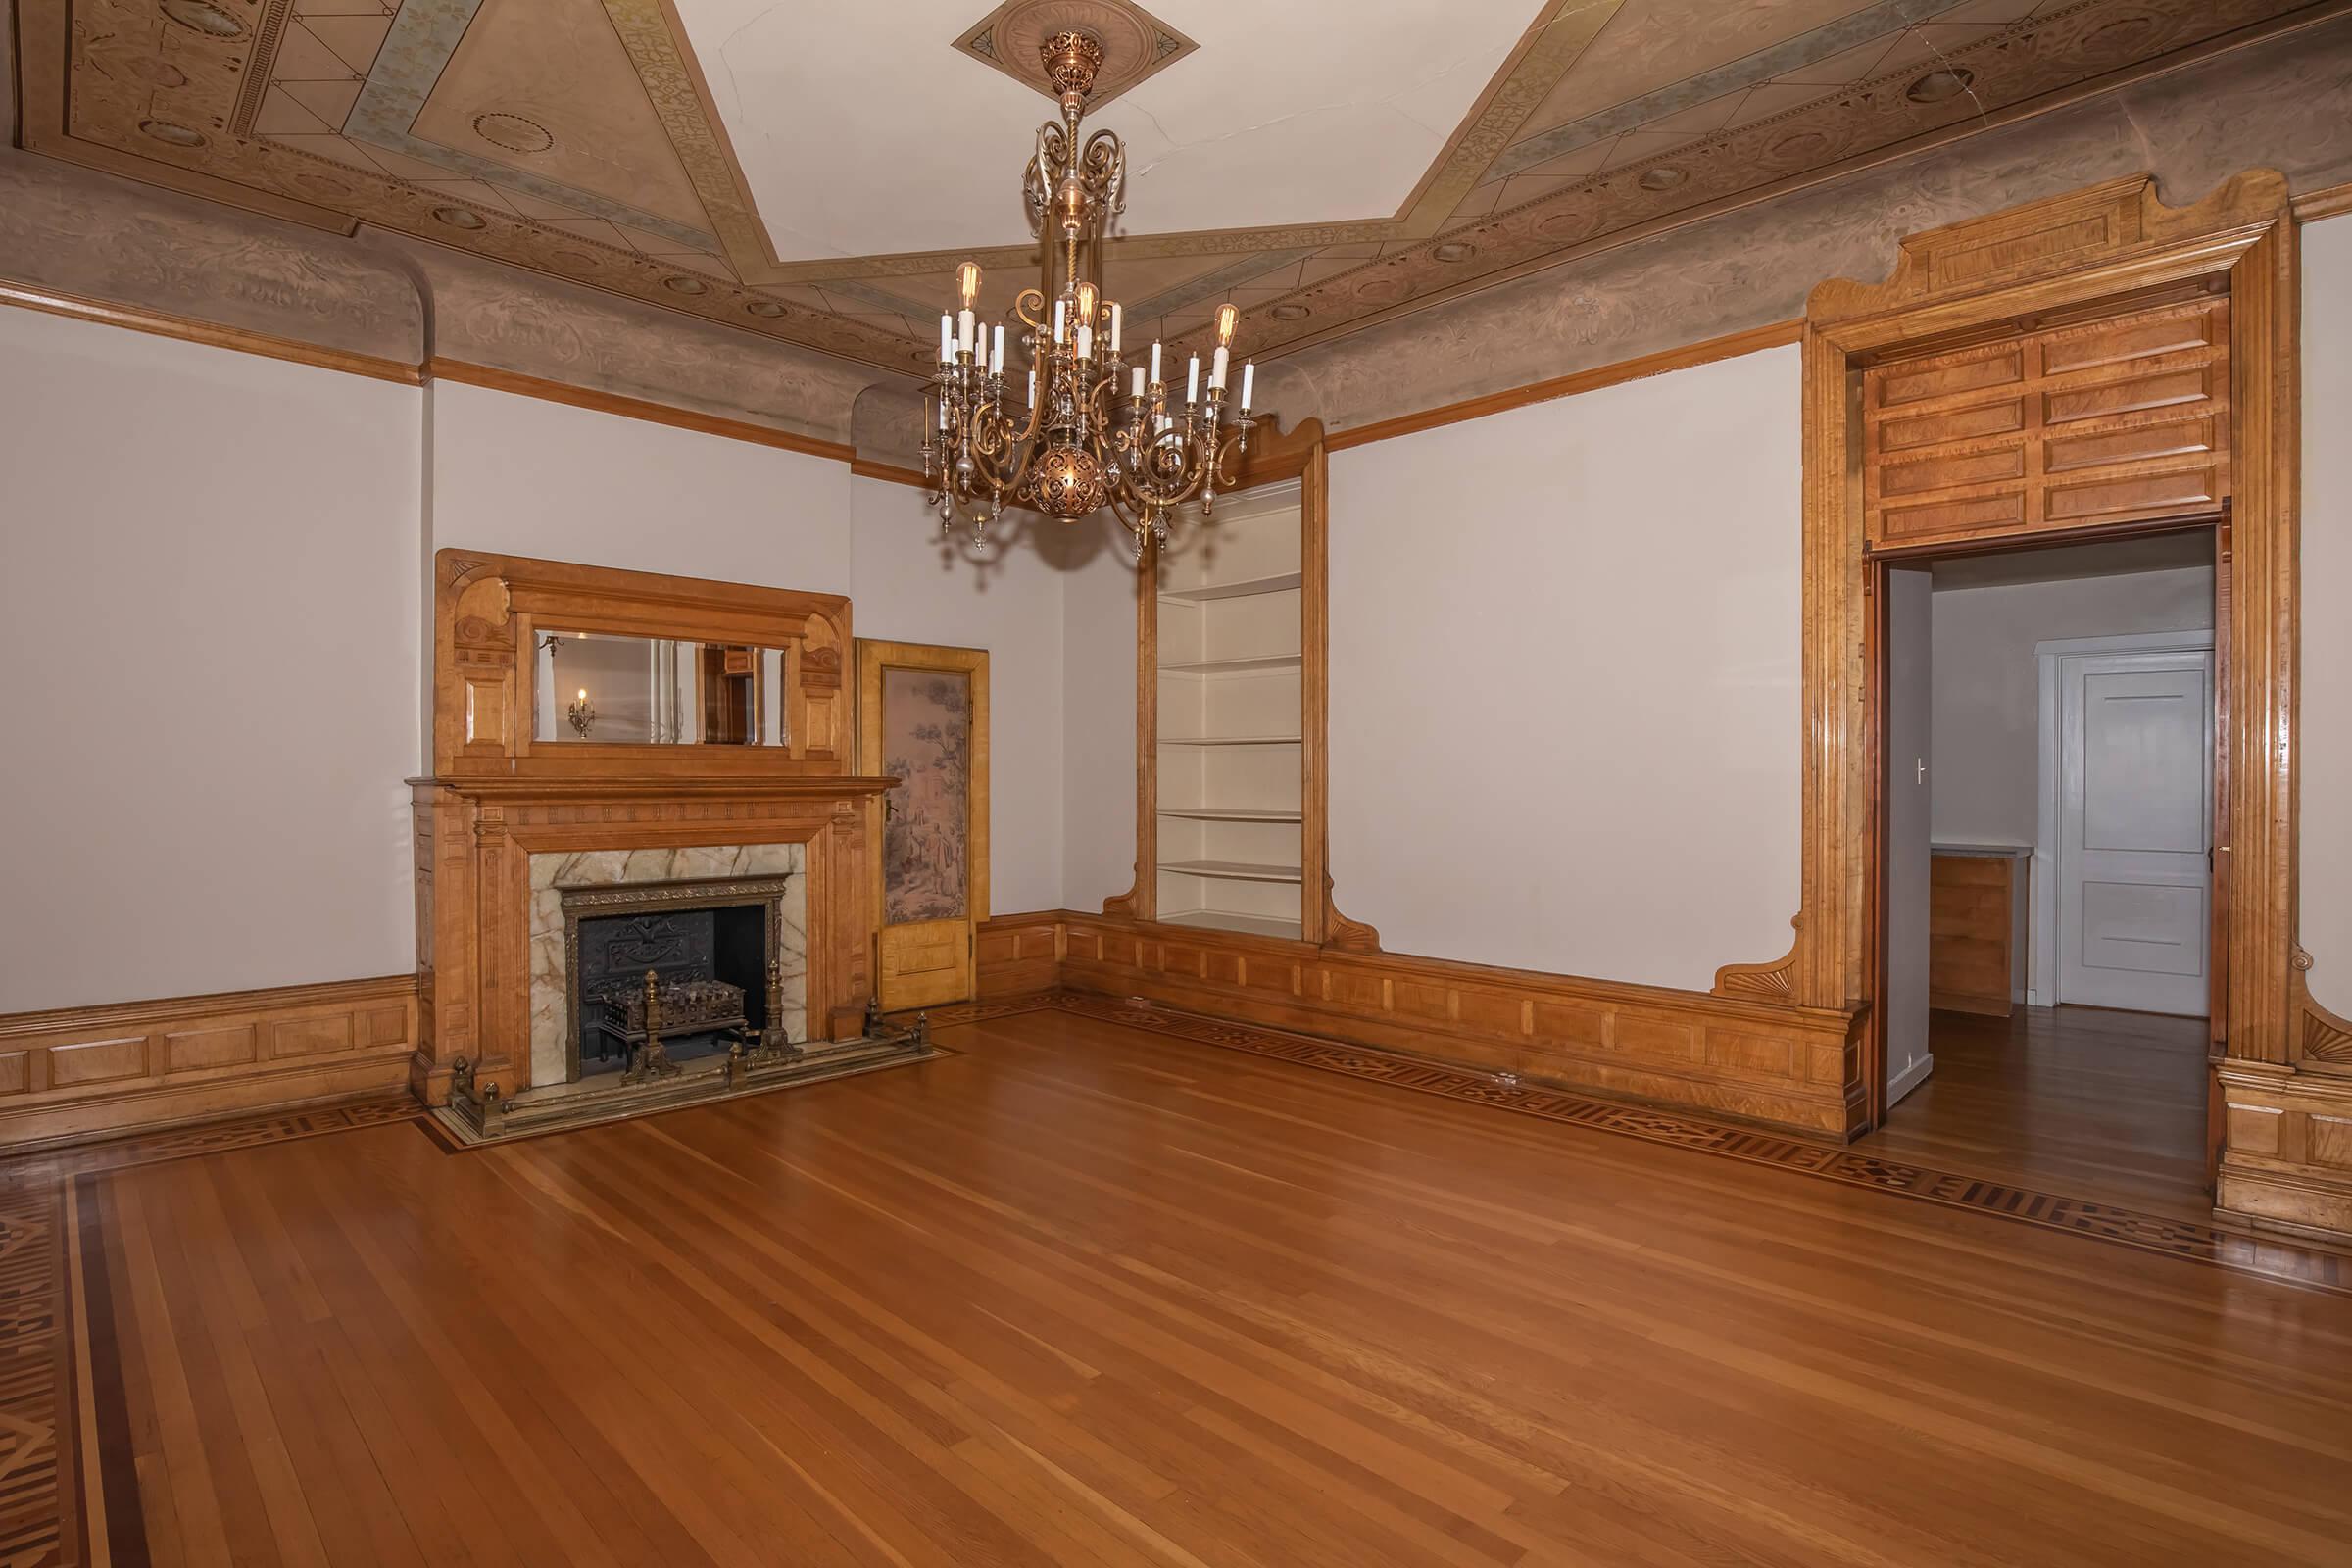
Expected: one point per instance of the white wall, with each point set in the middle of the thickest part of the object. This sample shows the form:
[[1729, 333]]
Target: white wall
[[1098, 677], [210, 615], [1909, 794], [524, 476], [1565, 680], [2324, 928], [1987, 697], [909, 587]]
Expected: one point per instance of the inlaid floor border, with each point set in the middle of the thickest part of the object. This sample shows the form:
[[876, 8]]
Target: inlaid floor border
[[2191, 1241]]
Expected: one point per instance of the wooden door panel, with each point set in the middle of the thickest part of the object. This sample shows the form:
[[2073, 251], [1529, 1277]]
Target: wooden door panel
[[923, 719], [2119, 420]]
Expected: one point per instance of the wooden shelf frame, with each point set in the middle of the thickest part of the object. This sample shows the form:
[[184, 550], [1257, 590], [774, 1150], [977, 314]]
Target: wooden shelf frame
[[1278, 456]]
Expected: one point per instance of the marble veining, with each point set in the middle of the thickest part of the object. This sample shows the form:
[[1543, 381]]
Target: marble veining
[[552, 874]]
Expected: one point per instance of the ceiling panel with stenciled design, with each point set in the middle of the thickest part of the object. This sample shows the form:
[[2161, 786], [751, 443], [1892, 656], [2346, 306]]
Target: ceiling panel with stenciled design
[[813, 173]]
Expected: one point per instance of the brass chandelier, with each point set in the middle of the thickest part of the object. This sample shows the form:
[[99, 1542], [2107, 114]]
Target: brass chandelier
[[1092, 430]]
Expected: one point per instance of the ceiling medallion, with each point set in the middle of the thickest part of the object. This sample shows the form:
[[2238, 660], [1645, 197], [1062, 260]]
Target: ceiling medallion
[[1135, 44], [172, 135], [458, 216], [512, 132], [1091, 431], [1939, 86]]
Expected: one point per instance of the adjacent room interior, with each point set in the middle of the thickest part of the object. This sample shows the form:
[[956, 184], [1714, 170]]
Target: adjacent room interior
[[1496, 783], [2049, 807]]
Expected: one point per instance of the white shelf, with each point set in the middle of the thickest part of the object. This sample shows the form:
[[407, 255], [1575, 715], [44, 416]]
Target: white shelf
[[1244, 589], [1256, 925], [1231, 740], [1216, 667], [1235, 870], [1205, 814]]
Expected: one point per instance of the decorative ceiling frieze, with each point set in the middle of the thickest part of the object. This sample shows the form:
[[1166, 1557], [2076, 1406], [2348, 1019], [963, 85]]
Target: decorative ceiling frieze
[[581, 139]]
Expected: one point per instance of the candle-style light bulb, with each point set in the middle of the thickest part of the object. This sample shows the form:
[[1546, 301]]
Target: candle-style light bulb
[[1229, 316], [583, 694], [967, 283], [1086, 303]]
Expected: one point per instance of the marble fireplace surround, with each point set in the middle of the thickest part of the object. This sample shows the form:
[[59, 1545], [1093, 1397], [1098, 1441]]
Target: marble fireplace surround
[[552, 874]]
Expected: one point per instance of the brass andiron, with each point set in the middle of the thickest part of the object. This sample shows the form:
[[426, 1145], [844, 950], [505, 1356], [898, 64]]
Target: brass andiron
[[775, 1045], [653, 1057], [873, 1017], [481, 1101]]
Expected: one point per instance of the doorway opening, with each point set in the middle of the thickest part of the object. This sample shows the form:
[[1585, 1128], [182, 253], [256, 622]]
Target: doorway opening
[[2046, 833]]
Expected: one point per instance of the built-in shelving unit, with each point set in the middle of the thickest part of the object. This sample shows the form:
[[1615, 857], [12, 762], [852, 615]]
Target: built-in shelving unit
[[1231, 717]]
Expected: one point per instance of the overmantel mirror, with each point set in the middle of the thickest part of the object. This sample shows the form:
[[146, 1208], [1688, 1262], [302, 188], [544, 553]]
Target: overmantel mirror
[[554, 669], [621, 689]]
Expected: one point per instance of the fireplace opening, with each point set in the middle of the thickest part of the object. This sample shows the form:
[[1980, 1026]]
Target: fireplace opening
[[691, 964]]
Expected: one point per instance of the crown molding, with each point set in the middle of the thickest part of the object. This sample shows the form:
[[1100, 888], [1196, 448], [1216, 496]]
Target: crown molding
[[1731, 345], [187, 328], [2332, 202], [467, 373]]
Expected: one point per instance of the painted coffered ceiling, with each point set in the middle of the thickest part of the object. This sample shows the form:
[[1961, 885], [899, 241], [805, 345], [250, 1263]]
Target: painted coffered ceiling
[[813, 172]]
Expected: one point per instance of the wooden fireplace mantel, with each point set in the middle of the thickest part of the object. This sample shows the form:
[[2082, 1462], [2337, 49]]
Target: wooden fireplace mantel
[[474, 843], [493, 800]]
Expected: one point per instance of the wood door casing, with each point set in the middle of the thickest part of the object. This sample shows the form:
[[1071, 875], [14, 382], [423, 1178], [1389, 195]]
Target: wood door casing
[[2117, 420], [923, 718]]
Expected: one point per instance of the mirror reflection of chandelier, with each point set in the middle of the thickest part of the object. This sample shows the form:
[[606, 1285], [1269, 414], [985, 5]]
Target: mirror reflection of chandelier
[[1091, 431]]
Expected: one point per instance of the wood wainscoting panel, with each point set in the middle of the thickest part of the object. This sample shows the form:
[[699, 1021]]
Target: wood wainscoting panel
[[82, 1073], [1762, 1060]]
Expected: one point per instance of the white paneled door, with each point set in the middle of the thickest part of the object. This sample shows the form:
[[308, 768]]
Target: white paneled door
[[2134, 800]]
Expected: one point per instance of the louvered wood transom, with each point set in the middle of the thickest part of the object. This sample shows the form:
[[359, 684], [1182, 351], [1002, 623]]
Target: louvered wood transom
[[2124, 419]]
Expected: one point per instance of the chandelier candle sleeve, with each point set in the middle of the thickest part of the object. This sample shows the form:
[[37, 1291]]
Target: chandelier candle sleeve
[[1216, 368], [1085, 342], [1114, 326]]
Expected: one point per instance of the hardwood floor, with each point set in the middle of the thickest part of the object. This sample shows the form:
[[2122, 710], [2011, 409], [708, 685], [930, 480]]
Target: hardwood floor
[[2080, 1101], [1089, 1295]]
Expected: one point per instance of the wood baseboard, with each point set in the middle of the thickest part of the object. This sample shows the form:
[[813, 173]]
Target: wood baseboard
[[72, 1073], [1760, 1060]]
